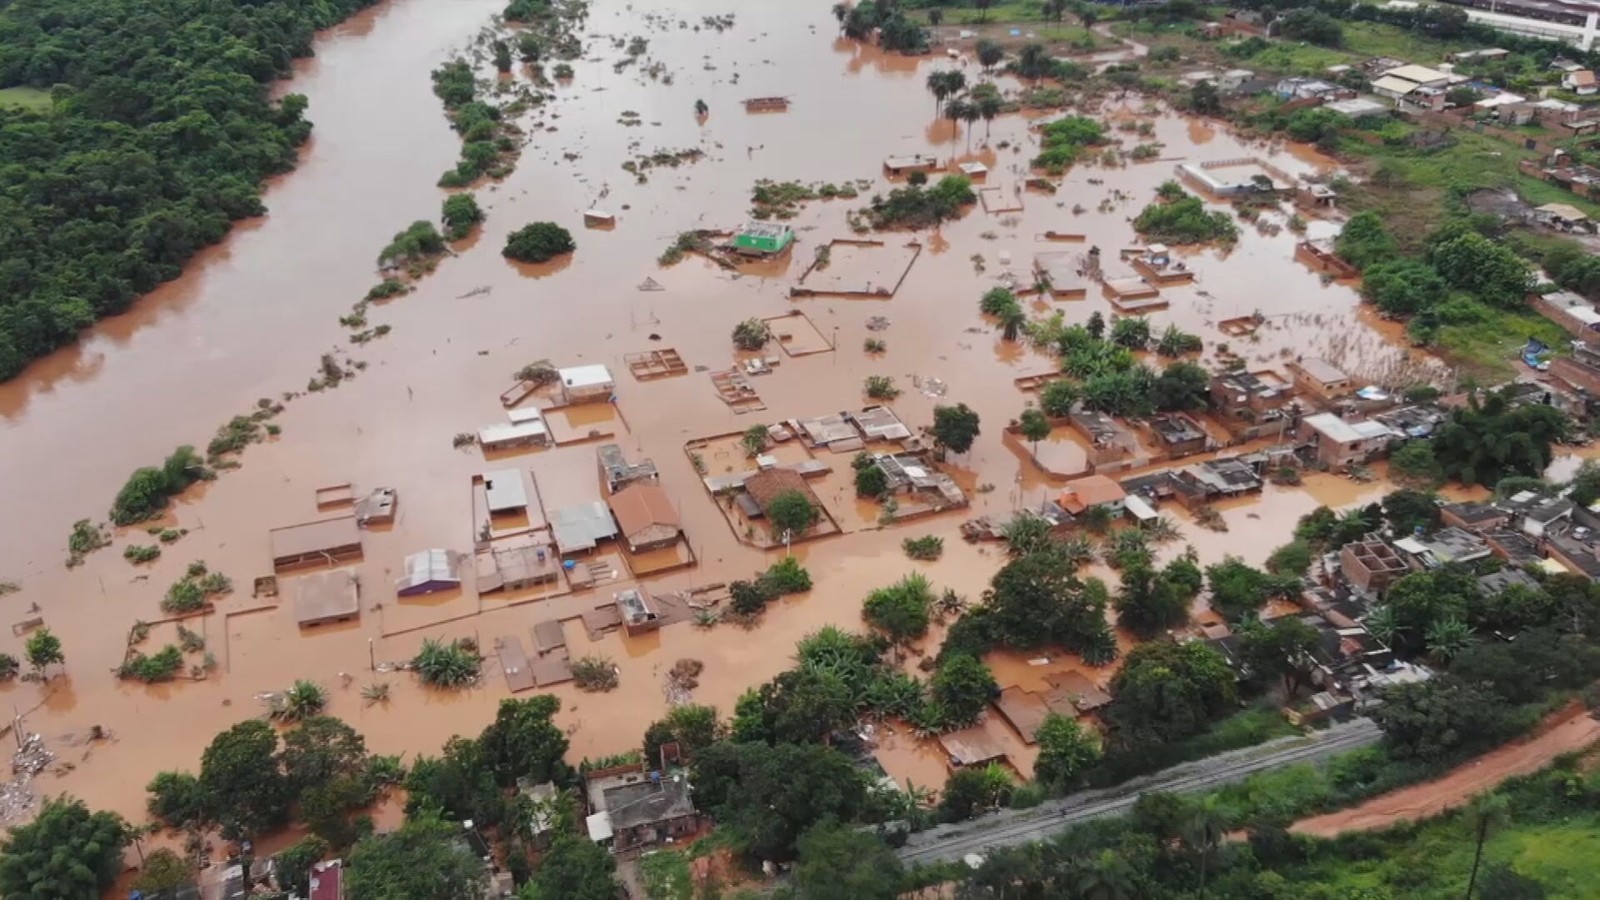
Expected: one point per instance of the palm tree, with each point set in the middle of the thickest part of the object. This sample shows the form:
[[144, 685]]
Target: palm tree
[[1204, 830], [935, 16], [1034, 62], [1487, 811], [969, 115], [841, 11], [1011, 322], [945, 84], [1054, 9], [956, 111], [989, 53], [983, 9], [988, 103]]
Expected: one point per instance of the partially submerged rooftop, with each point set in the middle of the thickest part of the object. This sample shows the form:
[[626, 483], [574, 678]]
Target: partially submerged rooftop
[[582, 527], [324, 597]]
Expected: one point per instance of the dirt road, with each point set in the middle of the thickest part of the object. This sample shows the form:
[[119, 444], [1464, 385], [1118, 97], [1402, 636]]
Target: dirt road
[[1573, 731]]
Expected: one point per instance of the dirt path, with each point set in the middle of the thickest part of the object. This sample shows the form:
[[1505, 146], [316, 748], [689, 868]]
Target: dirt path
[[1573, 731]]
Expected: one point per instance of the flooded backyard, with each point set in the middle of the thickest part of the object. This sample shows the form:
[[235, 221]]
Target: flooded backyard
[[250, 318]]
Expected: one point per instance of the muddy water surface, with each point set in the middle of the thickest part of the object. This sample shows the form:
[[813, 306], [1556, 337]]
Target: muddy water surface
[[251, 317]]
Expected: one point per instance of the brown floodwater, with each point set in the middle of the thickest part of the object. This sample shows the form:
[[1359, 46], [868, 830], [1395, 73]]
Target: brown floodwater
[[250, 318]]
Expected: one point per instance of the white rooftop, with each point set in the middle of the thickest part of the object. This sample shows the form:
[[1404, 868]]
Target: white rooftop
[[1336, 429], [594, 375], [428, 566], [1140, 509], [1417, 74], [494, 434]]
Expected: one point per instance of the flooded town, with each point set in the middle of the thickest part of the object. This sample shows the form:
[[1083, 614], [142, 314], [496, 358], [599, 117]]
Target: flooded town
[[931, 348]]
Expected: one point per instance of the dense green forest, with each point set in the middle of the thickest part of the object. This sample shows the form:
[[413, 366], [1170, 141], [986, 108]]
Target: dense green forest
[[157, 135]]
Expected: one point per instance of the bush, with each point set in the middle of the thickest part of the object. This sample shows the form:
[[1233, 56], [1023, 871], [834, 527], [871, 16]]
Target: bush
[[900, 611], [751, 335], [1064, 141], [140, 553], [389, 287], [163, 666], [881, 387], [871, 482], [460, 214], [452, 665], [538, 242], [749, 598], [787, 576], [418, 242], [1185, 221], [927, 547], [594, 673], [147, 490], [915, 206]]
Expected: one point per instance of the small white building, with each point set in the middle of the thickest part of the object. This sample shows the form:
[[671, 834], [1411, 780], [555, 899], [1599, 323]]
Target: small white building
[[1581, 82], [586, 383]]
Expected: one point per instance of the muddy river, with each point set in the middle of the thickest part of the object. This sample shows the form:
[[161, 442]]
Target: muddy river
[[250, 318]]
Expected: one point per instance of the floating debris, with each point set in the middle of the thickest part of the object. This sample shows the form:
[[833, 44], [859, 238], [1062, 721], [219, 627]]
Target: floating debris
[[17, 798], [878, 323], [930, 387]]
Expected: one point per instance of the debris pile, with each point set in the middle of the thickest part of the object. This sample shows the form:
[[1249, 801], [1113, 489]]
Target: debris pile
[[17, 798], [681, 681]]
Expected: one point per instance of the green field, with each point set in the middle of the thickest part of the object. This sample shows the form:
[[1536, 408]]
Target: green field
[[997, 14], [25, 98]]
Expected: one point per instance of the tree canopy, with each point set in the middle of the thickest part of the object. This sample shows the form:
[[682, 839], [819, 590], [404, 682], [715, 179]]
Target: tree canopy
[[955, 427], [158, 136], [239, 772], [573, 868], [65, 853], [538, 242], [1037, 599], [425, 859], [837, 861], [769, 795], [1167, 691], [792, 512], [1491, 439]]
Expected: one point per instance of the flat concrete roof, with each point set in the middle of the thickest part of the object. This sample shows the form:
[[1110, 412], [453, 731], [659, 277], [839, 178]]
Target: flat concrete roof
[[326, 597], [503, 432], [594, 375], [327, 537], [505, 490]]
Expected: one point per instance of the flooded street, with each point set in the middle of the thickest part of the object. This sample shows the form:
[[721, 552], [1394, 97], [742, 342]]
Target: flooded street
[[250, 318]]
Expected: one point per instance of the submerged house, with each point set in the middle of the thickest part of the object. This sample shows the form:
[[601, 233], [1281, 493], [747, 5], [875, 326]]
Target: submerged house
[[763, 239], [645, 517]]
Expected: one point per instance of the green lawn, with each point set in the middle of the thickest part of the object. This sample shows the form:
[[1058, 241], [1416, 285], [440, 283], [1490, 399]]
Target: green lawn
[[1368, 39], [25, 98], [1493, 347], [1024, 11], [1301, 59]]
